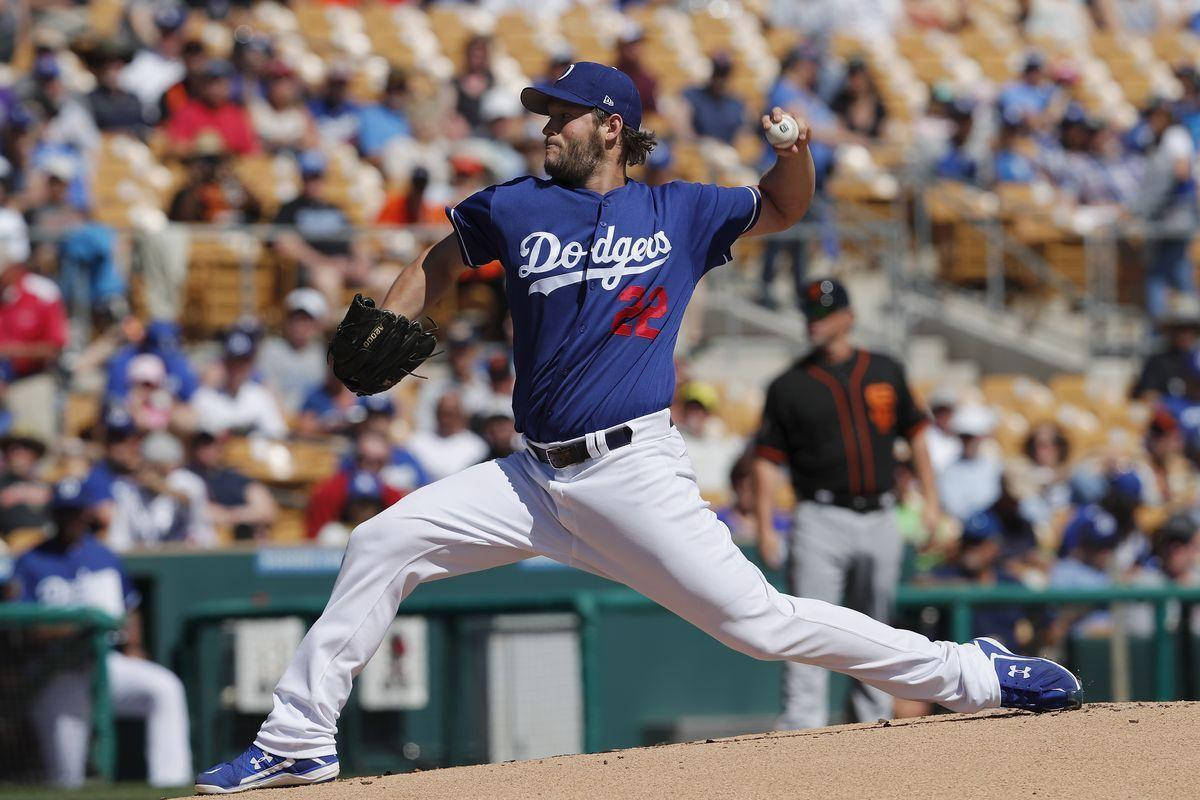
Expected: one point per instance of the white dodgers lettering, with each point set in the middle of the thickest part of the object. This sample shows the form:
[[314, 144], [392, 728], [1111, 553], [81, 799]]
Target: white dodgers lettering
[[612, 256]]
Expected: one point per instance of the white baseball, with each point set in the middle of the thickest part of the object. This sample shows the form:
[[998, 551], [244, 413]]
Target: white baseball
[[784, 132]]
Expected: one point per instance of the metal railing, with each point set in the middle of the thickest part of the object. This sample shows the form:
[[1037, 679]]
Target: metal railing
[[98, 625], [588, 605]]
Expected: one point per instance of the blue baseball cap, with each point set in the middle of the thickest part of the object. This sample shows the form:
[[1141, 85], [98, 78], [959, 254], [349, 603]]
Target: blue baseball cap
[[586, 83], [365, 486], [1126, 485], [980, 527], [1091, 526], [68, 495], [378, 404]]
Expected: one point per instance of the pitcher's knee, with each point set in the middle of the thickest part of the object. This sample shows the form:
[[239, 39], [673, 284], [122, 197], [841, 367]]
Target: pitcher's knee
[[390, 535]]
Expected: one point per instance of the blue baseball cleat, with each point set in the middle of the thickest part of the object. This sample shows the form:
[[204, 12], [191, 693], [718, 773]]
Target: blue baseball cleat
[[1034, 684], [258, 769]]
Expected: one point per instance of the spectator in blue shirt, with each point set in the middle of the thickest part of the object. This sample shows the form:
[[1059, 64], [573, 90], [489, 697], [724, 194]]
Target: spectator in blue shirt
[[1031, 96], [337, 115], [381, 123], [979, 562], [717, 113], [160, 338], [74, 569], [796, 92], [956, 163], [1094, 535], [1010, 164], [739, 517]]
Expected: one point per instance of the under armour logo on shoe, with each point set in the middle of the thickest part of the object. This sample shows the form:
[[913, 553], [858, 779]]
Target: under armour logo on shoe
[[266, 759], [1015, 671], [608, 101]]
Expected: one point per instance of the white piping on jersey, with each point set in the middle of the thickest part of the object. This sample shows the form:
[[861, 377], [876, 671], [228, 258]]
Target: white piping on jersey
[[757, 209], [454, 223]]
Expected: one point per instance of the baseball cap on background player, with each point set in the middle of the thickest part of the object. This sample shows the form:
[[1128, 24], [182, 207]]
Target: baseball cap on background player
[[823, 297], [586, 83]]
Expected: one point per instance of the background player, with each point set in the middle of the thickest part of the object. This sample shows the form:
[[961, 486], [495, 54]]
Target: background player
[[599, 271], [832, 418], [72, 568]]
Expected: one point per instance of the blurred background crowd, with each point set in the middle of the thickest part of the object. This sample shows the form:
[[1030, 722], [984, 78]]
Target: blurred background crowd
[[190, 194]]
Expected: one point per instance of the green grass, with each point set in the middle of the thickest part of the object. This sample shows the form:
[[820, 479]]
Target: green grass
[[97, 791]]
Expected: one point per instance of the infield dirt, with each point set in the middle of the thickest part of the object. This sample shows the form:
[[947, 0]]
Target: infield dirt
[[1105, 750]]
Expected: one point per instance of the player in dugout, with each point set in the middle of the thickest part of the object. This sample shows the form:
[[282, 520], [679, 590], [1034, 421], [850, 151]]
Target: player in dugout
[[599, 269]]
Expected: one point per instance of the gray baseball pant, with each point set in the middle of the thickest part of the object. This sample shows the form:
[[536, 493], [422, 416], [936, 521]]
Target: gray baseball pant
[[842, 557]]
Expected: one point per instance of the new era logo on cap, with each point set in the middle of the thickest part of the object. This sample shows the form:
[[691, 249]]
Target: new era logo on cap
[[608, 101]]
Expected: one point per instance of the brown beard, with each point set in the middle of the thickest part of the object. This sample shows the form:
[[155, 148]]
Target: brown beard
[[577, 161]]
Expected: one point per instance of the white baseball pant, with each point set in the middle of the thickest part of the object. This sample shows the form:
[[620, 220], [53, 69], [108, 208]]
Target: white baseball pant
[[62, 716], [633, 515]]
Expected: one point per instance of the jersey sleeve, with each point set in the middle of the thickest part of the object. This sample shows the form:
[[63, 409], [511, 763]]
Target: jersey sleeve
[[771, 441], [721, 215], [910, 416], [478, 238]]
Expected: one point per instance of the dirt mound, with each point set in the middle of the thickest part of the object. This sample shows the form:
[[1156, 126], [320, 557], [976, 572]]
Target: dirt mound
[[1109, 750]]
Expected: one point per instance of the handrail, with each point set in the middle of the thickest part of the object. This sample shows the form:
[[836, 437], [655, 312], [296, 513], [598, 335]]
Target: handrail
[[104, 738], [589, 604]]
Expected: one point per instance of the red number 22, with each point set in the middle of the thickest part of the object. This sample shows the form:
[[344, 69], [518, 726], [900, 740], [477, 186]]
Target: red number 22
[[643, 309]]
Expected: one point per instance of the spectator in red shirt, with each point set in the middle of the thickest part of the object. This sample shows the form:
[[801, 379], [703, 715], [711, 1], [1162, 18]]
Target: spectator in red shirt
[[408, 207], [214, 110], [329, 498], [33, 331]]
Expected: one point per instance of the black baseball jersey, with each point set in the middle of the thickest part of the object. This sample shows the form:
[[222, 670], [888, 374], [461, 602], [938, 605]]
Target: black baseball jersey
[[835, 424]]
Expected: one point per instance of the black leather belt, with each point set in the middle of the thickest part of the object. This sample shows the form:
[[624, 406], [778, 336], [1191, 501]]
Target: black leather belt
[[575, 451], [857, 502]]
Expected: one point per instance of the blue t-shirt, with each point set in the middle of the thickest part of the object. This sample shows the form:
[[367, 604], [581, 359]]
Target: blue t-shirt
[[86, 574], [597, 285], [378, 125]]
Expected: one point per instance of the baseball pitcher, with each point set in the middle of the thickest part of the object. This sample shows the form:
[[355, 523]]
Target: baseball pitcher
[[599, 271]]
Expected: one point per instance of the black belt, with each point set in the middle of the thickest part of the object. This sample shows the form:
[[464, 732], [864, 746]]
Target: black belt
[[575, 451], [861, 503]]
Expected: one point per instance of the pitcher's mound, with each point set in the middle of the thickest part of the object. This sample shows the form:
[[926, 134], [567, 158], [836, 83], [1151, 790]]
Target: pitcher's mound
[[1110, 750]]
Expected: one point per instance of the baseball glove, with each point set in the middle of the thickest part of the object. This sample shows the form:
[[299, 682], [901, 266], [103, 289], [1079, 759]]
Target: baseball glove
[[373, 348]]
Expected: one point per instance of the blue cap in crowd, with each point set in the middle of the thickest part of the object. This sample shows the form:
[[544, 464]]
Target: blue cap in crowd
[[118, 424], [1126, 485], [239, 344], [170, 17], [68, 495], [365, 486], [311, 163], [378, 404], [980, 527], [1091, 526], [586, 83]]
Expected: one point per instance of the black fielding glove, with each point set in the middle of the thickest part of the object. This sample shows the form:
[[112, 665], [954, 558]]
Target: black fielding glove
[[372, 349]]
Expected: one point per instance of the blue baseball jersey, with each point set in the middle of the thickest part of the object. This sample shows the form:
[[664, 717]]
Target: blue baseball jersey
[[597, 286], [86, 574]]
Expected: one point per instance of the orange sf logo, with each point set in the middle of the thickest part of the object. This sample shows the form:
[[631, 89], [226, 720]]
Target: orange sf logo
[[881, 403]]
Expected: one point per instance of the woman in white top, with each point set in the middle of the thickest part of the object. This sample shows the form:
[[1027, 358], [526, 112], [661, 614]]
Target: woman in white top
[[281, 119]]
